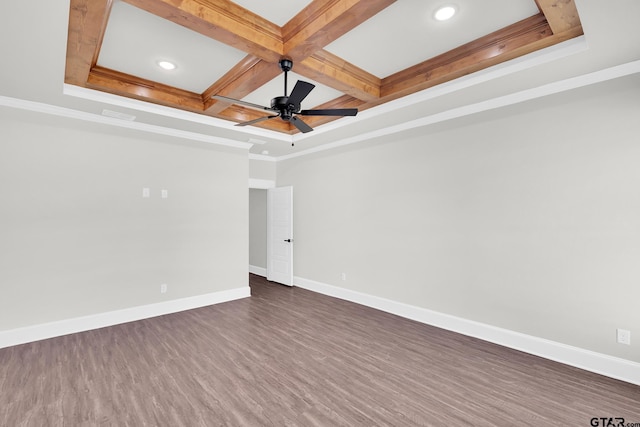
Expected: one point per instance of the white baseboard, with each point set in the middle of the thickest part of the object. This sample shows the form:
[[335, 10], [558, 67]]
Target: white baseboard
[[80, 324], [258, 270], [621, 369]]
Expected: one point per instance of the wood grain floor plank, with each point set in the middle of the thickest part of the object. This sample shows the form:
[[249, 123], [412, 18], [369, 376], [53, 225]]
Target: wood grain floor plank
[[290, 357]]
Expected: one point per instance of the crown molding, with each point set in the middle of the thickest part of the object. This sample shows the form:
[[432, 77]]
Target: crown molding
[[261, 184], [262, 157], [498, 102], [161, 110], [55, 110], [550, 54]]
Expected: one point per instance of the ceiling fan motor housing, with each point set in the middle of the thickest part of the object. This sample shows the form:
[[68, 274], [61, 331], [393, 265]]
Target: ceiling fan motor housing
[[286, 109]]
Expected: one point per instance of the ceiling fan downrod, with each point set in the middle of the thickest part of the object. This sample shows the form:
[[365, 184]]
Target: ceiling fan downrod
[[285, 65]]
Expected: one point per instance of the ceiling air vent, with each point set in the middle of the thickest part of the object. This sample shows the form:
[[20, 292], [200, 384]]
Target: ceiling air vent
[[117, 115]]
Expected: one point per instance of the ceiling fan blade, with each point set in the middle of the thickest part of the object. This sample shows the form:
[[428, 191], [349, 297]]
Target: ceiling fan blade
[[240, 102], [300, 92], [302, 126], [330, 112], [254, 121]]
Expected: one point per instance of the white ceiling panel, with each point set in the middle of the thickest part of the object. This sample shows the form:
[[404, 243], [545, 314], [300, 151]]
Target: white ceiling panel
[[277, 11], [136, 40], [406, 33]]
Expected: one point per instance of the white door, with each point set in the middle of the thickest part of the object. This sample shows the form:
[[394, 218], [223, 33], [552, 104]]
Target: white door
[[280, 235]]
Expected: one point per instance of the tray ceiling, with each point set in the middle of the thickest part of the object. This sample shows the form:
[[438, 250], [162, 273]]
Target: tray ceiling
[[358, 53]]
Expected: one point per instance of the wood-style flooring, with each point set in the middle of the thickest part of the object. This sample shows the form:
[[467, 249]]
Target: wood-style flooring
[[291, 357]]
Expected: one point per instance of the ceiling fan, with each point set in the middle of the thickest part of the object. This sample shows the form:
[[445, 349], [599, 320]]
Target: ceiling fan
[[288, 107]]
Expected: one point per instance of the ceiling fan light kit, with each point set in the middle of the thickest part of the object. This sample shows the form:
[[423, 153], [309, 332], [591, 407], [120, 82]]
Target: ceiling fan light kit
[[287, 107]]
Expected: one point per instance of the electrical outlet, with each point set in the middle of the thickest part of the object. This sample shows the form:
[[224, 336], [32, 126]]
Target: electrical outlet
[[344, 276], [164, 193], [624, 336], [146, 193], [163, 288]]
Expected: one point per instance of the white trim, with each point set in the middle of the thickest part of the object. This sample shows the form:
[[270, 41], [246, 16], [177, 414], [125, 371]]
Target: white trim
[[54, 110], [260, 271], [560, 50], [599, 363], [80, 324], [262, 157], [490, 104], [543, 56], [136, 104], [261, 184]]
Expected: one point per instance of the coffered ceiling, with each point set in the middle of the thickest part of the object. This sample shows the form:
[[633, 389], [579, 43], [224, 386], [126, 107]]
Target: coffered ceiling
[[358, 53]]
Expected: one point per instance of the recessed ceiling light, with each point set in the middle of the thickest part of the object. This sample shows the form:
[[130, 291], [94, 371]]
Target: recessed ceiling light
[[166, 65], [444, 13], [265, 152]]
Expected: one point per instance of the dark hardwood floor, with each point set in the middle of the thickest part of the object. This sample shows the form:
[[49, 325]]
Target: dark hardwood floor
[[290, 357]]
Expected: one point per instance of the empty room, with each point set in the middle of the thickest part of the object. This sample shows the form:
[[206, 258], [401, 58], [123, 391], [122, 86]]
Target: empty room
[[320, 213]]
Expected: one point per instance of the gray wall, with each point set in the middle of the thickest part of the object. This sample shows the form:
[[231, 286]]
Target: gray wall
[[77, 238], [526, 218], [258, 228]]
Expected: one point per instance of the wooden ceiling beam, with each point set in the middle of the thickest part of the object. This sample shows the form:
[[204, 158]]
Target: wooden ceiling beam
[[87, 24], [134, 87], [221, 20], [319, 24], [515, 40], [562, 15], [341, 75], [324, 21], [303, 40], [245, 77], [519, 39]]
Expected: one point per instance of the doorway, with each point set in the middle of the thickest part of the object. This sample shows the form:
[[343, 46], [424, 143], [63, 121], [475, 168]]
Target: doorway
[[271, 234]]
